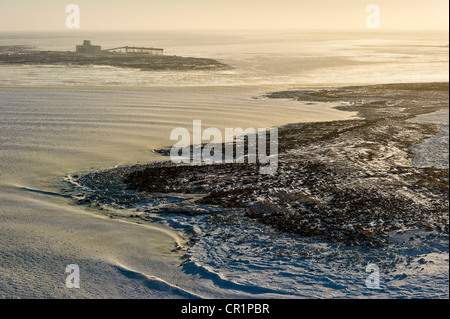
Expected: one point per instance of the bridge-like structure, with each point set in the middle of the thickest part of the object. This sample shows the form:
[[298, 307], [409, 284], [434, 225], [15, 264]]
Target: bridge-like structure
[[136, 50]]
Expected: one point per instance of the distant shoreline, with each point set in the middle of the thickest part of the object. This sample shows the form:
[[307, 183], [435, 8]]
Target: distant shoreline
[[25, 55], [276, 86]]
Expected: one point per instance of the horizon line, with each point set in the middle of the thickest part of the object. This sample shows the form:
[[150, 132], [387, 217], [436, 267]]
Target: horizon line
[[231, 29]]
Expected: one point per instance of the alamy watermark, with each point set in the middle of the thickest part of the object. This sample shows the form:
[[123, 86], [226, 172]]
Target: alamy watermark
[[73, 19], [373, 19], [73, 279], [373, 280], [235, 141]]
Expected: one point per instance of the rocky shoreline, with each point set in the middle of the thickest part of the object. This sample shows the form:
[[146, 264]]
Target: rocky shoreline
[[350, 181]]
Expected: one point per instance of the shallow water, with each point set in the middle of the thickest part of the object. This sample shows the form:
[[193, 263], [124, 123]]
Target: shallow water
[[52, 131]]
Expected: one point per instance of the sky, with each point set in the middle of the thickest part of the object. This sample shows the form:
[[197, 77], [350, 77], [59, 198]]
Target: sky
[[27, 15]]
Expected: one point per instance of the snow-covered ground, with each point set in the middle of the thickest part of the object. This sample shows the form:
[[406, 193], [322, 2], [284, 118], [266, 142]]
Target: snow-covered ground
[[434, 152]]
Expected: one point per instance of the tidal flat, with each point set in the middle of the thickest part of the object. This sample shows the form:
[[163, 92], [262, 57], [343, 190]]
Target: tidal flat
[[348, 181]]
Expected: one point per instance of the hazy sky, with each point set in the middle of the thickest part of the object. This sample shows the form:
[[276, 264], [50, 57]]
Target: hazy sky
[[222, 14]]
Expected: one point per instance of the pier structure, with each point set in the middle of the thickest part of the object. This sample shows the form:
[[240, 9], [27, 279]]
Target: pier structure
[[136, 50]]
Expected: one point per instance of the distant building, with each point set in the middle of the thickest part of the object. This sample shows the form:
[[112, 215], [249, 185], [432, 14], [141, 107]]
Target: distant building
[[88, 48]]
